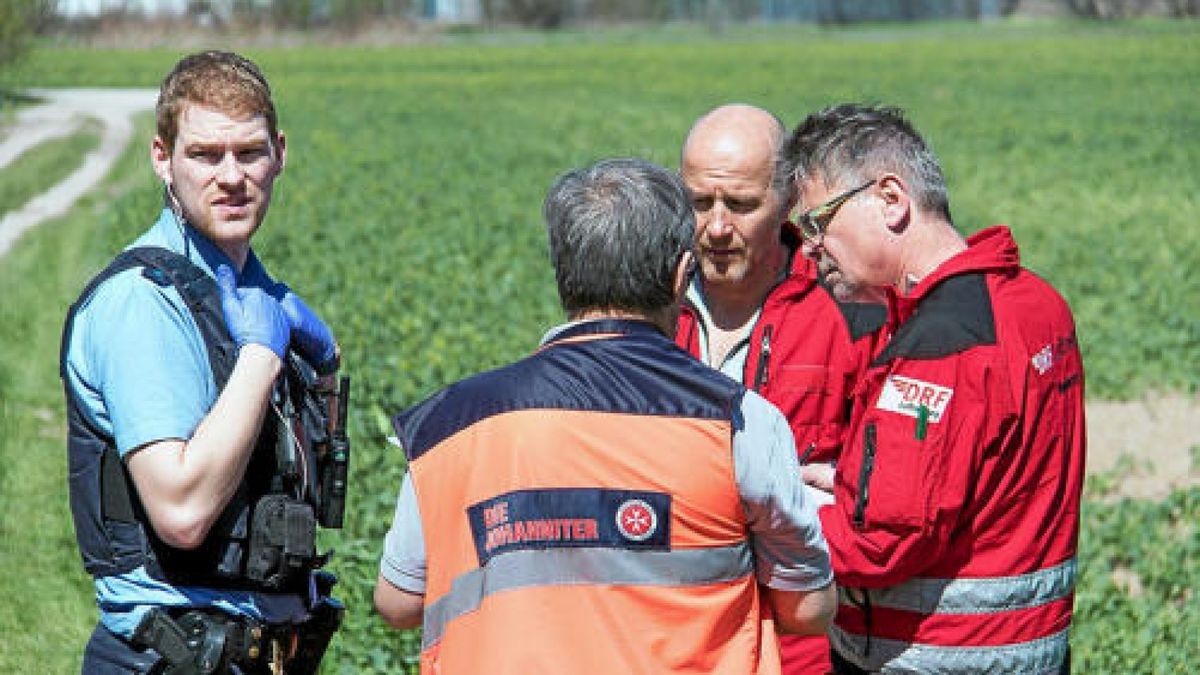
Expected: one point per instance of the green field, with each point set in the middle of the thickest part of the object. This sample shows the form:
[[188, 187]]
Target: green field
[[408, 215]]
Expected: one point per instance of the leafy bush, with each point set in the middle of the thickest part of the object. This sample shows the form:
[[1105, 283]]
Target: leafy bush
[[18, 21], [1136, 609]]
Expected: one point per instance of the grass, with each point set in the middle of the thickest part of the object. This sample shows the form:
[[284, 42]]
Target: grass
[[48, 611], [408, 216], [1077, 135], [41, 167], [1136, 609]]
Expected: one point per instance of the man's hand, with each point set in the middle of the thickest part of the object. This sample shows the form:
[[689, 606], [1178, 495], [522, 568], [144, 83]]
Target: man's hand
[[310, 336], [818, 482], [253, 316], [818, 475]]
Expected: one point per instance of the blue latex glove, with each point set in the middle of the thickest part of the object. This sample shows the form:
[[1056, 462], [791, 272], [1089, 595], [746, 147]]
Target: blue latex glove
[[252, 315], [310, 336]]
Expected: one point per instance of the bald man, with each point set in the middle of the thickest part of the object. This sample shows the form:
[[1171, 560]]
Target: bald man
[[757, 311]]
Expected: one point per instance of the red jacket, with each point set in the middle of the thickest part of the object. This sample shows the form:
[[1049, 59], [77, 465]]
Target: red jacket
[[807, 352], [957, 496]]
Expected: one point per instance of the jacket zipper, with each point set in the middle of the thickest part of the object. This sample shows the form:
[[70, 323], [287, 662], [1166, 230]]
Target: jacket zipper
[[864, 475], [761, 372], [866, 607]]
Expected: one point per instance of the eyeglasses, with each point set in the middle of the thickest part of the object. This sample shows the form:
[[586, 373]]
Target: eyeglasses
[[815, 221]]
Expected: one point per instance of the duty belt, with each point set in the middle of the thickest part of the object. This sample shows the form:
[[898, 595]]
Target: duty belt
[[203, 642], [211, 642]]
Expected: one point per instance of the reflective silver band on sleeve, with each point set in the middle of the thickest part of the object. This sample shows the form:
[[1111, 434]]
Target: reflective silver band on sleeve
[[1036, 657], [987, 595], [584, 566]]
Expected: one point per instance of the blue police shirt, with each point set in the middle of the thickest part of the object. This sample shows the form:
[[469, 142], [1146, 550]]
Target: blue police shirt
[[139, 367]]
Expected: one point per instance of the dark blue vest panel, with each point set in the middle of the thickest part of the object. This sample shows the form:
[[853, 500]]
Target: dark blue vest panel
[[638, 372]]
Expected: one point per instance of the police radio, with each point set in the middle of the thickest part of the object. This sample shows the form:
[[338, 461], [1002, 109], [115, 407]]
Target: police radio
[[323, 414], [335, 464]]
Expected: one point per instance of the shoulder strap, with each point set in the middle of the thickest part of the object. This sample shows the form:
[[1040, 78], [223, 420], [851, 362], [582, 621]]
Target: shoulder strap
[[122, 262], [197, 288], [199, 293]]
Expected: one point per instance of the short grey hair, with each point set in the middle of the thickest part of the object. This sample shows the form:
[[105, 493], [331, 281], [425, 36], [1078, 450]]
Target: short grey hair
[[848, 144], [617, 231]]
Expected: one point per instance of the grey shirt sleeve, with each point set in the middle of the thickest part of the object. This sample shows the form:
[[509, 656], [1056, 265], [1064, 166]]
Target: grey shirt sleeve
[[790, 553], [403, 563]]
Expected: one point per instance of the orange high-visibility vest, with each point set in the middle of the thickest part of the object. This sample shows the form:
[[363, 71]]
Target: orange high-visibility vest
[[580, 514]]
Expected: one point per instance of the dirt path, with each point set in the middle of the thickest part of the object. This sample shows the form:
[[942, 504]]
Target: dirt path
[[1158, 433], [61, 113]]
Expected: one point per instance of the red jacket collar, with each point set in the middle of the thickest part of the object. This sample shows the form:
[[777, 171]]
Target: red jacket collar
[[802, 274], [990, 250]]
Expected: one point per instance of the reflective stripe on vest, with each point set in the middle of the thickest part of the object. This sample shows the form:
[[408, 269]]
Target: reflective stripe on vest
[[970, 596], [974, 596], [558, 567], [1045, 655]]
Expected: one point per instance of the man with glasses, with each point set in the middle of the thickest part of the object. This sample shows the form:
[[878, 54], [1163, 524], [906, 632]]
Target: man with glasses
[[956, 512], [756, 310]]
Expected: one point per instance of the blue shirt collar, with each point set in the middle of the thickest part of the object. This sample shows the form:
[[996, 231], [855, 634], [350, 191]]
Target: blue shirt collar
[[599, 326], [177, 235]]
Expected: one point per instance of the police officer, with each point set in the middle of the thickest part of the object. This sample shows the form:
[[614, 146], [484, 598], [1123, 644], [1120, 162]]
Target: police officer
[[608, 504], [174, 385]]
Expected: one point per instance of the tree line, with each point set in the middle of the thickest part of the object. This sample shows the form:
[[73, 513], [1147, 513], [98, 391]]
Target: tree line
[[22, 20]]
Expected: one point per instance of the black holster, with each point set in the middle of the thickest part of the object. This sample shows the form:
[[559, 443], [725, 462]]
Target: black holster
[[209, 642], [203, 643]]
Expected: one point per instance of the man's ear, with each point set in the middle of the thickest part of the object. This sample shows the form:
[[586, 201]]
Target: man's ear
[[785, 217], [281, 153], [668, 317], [683, 274], [160, 159], [897, 202]]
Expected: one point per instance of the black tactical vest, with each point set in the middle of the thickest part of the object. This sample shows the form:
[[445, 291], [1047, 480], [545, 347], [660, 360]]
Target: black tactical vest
[[264, 540]]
